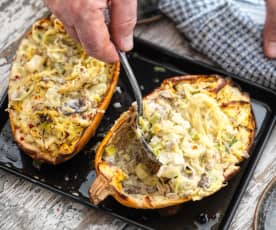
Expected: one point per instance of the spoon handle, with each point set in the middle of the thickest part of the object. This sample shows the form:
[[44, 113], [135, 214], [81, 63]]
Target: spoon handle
[[133, 82]]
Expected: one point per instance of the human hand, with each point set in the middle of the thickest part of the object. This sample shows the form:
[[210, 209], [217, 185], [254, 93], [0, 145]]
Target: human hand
[[270, 29], [84, 21]]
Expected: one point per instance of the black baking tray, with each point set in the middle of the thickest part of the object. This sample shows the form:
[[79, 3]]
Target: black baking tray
[[151, 65]]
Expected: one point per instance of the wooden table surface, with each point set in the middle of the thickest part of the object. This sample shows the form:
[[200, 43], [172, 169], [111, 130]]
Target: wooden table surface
[[24, 205]]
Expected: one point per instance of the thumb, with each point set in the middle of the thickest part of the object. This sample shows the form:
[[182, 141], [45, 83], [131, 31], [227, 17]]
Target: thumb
[[123, 20], [270, 29]]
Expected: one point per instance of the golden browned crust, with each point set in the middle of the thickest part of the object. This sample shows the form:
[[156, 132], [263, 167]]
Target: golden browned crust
[[87, 134], [146, 201]]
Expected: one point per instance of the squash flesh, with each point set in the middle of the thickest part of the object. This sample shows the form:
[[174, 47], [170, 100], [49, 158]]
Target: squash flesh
[[194, 174], [57, 93]]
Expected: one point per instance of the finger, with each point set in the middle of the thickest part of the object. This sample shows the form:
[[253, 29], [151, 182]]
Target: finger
[[66, 11], [61, 12], [49, 3], [270, 29], [72, 32], [123, 19], [94, 36]]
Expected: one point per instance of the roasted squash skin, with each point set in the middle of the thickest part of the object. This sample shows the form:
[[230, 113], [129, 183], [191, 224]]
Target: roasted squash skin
[[109, 177], [88, 131]]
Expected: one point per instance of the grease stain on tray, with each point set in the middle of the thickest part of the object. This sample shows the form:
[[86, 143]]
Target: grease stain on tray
[[10, 154], [86, 184]]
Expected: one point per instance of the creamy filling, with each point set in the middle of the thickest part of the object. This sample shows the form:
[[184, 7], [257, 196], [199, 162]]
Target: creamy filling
[[193, 135], [55, 88]]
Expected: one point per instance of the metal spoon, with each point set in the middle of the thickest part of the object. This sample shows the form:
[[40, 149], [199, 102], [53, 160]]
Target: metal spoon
[[152, 160]]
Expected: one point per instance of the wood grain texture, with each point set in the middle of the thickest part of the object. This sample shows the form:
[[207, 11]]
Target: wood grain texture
[[24, 205]]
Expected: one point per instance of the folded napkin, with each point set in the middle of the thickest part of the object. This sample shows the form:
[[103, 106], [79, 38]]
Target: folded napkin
[[228, 37]]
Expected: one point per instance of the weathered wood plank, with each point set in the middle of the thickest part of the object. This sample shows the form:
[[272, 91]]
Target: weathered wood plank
[[24, 205]]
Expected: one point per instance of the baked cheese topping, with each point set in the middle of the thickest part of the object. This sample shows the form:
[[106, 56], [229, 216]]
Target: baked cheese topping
[[55, 89], [197, 133]]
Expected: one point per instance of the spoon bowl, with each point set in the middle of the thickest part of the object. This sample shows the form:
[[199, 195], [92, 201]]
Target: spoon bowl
[[152, 160]]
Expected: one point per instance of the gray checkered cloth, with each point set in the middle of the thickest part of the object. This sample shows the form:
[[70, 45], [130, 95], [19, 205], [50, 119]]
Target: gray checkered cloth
[[218, 29]]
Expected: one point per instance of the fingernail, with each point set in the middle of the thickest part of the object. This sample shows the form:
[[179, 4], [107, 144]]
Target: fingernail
[[127, 43], [271, 51]]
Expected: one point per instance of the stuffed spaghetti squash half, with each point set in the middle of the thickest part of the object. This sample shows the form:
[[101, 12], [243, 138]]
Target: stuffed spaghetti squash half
[[199, 127], [57, 93]]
